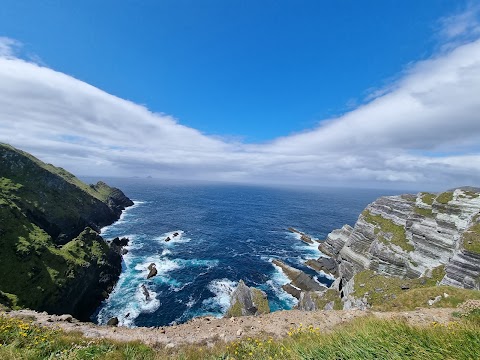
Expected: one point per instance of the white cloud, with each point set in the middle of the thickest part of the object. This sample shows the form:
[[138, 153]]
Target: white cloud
[[423, 130], [8, 47]]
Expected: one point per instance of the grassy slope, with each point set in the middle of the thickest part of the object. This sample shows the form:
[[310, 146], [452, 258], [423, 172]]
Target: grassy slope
[[34, 271], [385, 293], [365, 338]]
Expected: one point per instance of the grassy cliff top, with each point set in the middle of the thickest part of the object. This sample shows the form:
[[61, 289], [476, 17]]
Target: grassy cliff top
[[49, 253]]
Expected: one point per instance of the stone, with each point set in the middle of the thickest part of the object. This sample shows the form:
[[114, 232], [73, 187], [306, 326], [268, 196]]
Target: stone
[[405, 287], [167, 239], [434, 301], [65, 317], [239, 332], [170, 346], [153, 271], [112, 321]]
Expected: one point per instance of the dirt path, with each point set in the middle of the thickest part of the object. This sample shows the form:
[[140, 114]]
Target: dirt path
[[209, 330]]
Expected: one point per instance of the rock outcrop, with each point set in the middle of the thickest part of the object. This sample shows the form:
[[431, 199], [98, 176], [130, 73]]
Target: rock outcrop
[[304, 237], [51, 255], [246, 300], [408, 236], [299, 281]]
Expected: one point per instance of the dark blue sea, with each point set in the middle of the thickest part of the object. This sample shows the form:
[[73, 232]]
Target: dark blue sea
[[227, 233]]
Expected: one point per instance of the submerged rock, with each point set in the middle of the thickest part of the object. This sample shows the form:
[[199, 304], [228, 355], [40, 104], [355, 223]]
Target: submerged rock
[[305, 238], [246, 300]]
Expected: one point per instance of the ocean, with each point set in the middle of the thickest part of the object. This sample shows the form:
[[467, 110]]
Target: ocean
[[226, 233]]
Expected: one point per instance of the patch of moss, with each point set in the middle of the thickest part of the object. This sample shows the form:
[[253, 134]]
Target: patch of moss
[[445, 197], [235, 310], [471, 239], [328, 296], [387, 226], [428, 198], [260, 301], [423, 211]]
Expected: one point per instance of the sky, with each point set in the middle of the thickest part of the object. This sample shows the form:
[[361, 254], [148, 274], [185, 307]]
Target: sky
[[368, 94]]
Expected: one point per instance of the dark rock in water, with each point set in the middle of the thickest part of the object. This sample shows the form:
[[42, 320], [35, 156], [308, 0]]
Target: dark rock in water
[[127, 316], [292, 290], [328, 265], [120, 242], [247, 301], [175, 234], [153, 270], [167, 239], [146, 293], [113, 321], [124, 251], [298, 278], [305, 238]]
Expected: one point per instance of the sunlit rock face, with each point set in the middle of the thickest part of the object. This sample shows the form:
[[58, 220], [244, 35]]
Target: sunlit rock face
[[409, 235]]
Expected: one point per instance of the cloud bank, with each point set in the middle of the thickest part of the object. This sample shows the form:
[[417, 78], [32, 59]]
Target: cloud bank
[[421, 132]]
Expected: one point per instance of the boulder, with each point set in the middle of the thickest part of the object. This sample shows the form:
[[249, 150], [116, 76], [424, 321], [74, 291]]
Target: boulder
[[153, 270], [167, 239], [113, 321], [247, 301]]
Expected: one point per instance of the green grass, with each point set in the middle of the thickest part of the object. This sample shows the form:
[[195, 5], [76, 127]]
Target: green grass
[[363, 338], [385, 293], [327, 297], [428, 198], [471, 239], [423, 211], [386, 226], [445, 197]]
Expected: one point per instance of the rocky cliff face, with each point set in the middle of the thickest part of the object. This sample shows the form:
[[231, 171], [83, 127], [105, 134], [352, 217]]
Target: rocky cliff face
[[408, 237], [51, 256]]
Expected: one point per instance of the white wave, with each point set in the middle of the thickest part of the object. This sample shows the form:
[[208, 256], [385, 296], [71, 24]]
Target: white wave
[[275, 283], [222, 289], [166, 252], [163, 265], [191, 301], [121, 219], [328, 276], [128, 308]]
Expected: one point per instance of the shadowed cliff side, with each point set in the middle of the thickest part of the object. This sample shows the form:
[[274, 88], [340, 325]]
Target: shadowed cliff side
[[51, 256]]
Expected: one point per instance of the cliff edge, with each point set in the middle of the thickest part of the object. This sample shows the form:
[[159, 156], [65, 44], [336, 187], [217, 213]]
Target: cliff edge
[[51, 255]]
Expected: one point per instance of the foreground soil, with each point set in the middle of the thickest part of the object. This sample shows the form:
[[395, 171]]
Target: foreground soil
[[210, 330]]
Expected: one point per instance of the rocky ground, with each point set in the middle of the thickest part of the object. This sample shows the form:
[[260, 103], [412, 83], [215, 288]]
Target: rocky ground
[[208, 330]]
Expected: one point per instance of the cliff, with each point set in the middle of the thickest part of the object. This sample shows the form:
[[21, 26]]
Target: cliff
[[52, 258], [410, 241]]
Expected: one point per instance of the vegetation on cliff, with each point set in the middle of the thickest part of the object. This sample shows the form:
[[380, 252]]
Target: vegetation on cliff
[[51, 256]]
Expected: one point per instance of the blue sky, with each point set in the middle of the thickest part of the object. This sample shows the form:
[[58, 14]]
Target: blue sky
[[359, 93], [250, 69]]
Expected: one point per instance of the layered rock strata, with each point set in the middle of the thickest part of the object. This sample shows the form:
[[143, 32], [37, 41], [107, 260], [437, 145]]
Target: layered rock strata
[[408, 236]]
